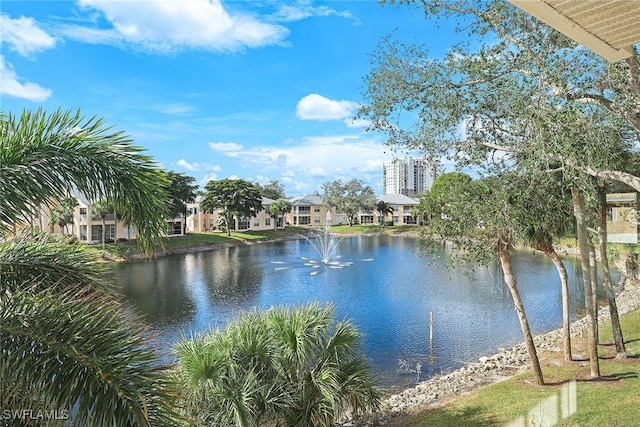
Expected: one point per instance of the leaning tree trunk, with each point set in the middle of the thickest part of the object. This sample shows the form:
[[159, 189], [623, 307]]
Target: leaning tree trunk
[[606, 274], [510, 281], [549, 251], [592, 324]]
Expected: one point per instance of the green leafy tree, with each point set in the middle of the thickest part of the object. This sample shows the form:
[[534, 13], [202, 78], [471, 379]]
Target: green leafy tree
[[349, 198], [278, 209], [65, 342], [384, 209], [272, 190], [529, 94], [181, 190], [482, 224], [234, 197], [292, 367]]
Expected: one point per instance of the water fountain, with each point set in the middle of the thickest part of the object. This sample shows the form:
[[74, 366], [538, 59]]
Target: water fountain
[[326, 245]]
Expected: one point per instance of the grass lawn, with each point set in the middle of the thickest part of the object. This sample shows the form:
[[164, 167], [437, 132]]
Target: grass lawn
[[611, 400], [194, 240], [371, 229]]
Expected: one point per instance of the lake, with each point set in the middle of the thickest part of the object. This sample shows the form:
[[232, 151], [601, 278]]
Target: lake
[[386, 289]]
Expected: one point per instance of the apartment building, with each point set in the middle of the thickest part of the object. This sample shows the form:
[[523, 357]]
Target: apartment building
[[408, 176], [402, 206], [309, 210], [199, 220], [622, 218], [88, 228]]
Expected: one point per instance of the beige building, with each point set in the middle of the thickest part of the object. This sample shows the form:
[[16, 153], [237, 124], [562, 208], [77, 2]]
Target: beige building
[[309, 210], [622, 217], [89, 229], [402, 206], [199, 220]]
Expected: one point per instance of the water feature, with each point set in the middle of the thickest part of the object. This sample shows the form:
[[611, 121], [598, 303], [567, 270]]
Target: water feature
[[388, 292], [326, 246]]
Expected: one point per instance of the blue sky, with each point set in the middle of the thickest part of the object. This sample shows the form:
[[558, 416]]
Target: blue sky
[[215, 89]]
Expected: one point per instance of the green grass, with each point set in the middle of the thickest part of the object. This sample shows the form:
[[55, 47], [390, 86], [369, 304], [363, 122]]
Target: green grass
[[371, 229], [122, 250], [612, 400], [195, 240]]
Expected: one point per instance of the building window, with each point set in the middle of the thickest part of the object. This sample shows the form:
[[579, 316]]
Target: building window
[[83, 211], [83, 232], [174, 228], [256, 222], [243, 224], [366, 219], [96, 233], [304, 220], [611, 214], [316, 209], [267, 221], [304, 210], [212, 224]]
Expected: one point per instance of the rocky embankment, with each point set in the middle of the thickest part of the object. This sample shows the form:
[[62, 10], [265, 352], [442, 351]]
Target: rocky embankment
[[487, 370]]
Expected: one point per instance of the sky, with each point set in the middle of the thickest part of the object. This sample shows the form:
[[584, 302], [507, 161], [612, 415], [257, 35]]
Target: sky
[[215, 89]]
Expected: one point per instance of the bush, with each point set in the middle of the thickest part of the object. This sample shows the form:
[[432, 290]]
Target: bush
[[284, 367]]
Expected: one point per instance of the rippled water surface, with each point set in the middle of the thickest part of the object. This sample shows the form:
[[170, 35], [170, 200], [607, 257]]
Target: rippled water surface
[[387, 290]]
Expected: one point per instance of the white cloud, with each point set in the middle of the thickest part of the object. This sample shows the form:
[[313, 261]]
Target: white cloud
[[197, 166], [290, 12], [228, 148], [206, 178], [24, 36], [304, 165], [317, 107], [11, 85], [168, 25]]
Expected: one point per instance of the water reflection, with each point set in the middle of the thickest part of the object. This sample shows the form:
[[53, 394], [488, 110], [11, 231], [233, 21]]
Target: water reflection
[[388, 297]]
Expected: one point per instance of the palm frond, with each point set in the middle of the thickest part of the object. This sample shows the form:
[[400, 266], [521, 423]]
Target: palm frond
[[50, 358], [48, 260], [43, 156]]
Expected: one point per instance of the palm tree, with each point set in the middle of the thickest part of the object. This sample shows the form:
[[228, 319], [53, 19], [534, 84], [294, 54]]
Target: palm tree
[[277, 208], [65, 342], [384, 209], [62, 216], [293, 367], [101, 209]]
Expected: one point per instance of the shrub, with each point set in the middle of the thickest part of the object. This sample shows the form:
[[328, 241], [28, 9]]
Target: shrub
[[293, 367]]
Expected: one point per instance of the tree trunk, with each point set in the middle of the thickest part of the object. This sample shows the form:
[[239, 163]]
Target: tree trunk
[[594, 277], [115, 229], [564, 284], [104, 226], [581, 226], [510, 281], [606, 273]]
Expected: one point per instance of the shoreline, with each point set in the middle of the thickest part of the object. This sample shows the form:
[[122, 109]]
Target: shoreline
[[488, 370]]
